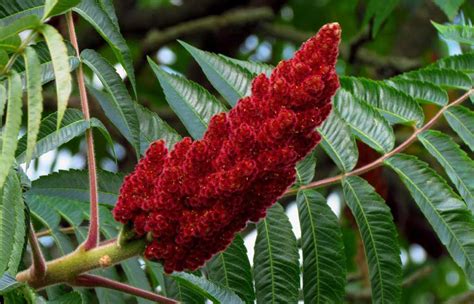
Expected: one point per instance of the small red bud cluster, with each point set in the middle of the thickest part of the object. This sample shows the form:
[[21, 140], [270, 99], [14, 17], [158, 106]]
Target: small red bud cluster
[[195, 198]]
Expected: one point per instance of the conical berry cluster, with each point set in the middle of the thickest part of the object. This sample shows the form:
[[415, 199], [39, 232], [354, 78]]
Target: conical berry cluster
[[195, 198]]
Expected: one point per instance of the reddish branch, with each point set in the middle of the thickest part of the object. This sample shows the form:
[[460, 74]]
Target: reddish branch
[[335, 179], [93, 234], [88, 280], [38, 269]]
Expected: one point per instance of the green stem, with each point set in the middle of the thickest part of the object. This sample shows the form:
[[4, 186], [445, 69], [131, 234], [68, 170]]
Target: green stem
[[67, 268], [378, 162], [18, 52]]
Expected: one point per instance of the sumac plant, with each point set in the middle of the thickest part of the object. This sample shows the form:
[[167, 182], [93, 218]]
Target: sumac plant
[[172, 230]]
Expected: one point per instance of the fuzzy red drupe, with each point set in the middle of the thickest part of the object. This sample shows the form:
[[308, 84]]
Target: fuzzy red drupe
[[194, 199]]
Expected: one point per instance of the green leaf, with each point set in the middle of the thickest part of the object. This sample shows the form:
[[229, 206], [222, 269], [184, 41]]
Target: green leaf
[[459, 33], [229, 79], [461, 120], [217, 294], [422, 91], [19, 25], [69, 298], [442, 77], [324, 265], [74, 185], [121, 105], [251, 66], [50, 138], [100, 20], [305, 169], [449, 7], [455, 162], [12, 126], [276, 266], [152, 128], [10, 44], [8, 283], [463, 63], [379, 235], [50, 219], [365, 122], [194, 105], [108, 7], [12, 224], [394, 105], [338, 142], [231, 269], [35, 100], [447, 214], [58, 7], [60, 61], [12, 10], [379, 11]]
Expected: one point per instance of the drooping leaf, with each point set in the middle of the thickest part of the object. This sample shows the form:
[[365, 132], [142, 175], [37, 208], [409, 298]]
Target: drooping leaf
[[324, 272], [60, 61], [442, 77], [394, 105], [35, 100], [305, 170], [91, 11], [19, 25], [379, 11], [123, 116], [229, 79], [338, 142], [50, 138], [152, 128], [14, 9], [194, 105], [448, 215], [365, 122], [217, 294], [276, 266], [108, 7], [422, 91], [58, 7], [461, 120], [74, 185], [12, 221], [12, 126], [231, 269], [455, 162], [379, 236], [459, 33], [449, 7]]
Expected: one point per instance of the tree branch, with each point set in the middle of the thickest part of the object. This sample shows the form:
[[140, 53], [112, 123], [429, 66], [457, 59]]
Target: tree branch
[[93, 234], [88, 280], [155, 38], [363, 55], [38, 269], [378, 162]]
